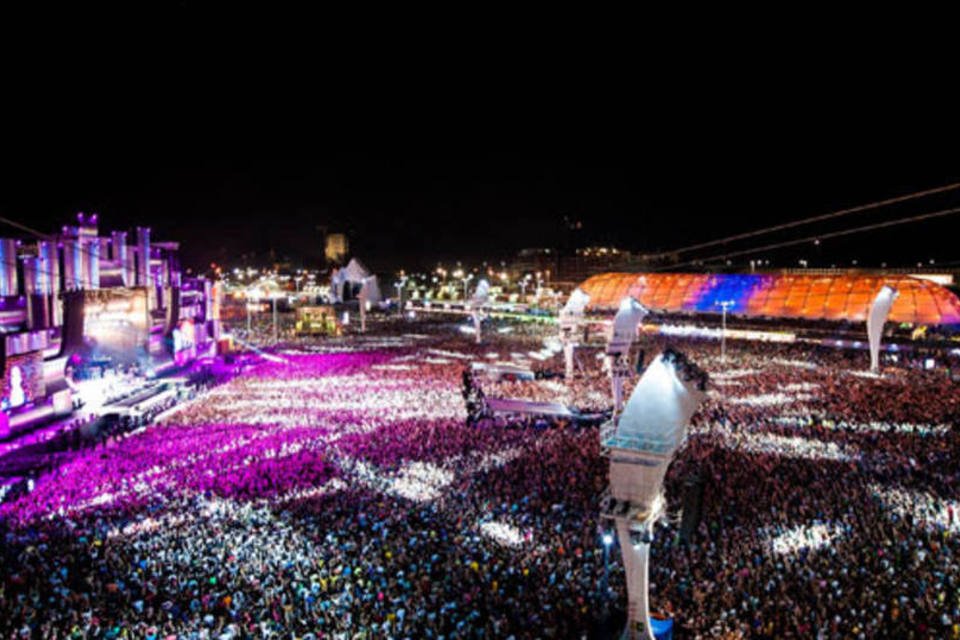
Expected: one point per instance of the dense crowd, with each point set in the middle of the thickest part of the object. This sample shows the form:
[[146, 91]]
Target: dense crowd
[[344, 495]]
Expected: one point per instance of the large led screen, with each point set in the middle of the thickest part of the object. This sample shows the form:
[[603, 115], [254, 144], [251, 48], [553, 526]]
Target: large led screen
[[22, 379], [116, 323]]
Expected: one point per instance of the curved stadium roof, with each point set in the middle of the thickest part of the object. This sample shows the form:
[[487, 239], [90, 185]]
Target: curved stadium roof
[[814, 297]]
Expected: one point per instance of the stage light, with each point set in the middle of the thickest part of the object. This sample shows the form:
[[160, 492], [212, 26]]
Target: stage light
[[607, 539]]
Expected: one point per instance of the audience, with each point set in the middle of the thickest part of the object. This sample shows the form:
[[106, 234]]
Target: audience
[[346, 495]]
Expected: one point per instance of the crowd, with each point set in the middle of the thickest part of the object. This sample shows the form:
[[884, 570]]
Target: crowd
[[344, 495]]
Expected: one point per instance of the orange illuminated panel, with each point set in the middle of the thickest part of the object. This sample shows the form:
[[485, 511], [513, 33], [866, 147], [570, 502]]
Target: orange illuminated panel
[[689, 291], [840, 297], [774, 304], [667, 292], [815, 305], [758, 301]]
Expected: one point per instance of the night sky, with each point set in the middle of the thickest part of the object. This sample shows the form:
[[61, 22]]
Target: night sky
[[412, 202], [235, 141]]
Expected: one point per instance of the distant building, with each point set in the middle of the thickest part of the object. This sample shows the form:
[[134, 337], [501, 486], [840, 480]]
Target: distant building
[[535, 259], [336, 248], [573, 266]]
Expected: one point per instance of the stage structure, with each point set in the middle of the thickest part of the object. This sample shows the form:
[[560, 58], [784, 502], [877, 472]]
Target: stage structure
[[623, 334], [480, 297], [570, 316], [94, 301], [879, 311], [640, 445]]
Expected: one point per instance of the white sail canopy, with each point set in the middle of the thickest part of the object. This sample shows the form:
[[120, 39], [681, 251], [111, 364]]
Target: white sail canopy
[[629, 316], [576, 303], [661, 405], [481, 294], [879, 311]]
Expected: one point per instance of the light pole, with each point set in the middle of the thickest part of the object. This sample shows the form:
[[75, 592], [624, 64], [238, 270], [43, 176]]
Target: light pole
[[607, 541], [466, 279], [276, 337], [254, 294], [724, 305], [443, 282], [399, 284], [458, 274]]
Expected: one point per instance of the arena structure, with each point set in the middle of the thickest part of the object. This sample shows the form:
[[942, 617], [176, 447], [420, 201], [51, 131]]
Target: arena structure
[[782, 296]]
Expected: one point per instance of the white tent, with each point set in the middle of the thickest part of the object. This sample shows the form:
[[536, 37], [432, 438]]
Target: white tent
[[355, 272]]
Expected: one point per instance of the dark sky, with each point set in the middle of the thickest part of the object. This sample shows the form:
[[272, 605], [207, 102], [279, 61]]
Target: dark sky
[[416, 176], [423, 204], [654, 134]]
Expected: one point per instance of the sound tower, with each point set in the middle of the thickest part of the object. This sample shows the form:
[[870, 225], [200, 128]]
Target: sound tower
[[693, 487], [72, 341]]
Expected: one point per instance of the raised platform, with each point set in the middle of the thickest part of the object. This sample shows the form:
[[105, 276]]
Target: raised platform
[[502, 371], [140, 401], [514, 407]]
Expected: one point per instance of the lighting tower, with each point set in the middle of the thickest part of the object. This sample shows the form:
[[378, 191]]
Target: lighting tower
[[476, 304], [400, 284], [570, 316], [879, 311], [365, 297], [640, 445], [622, 336], [276, 331], [524, 281]]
